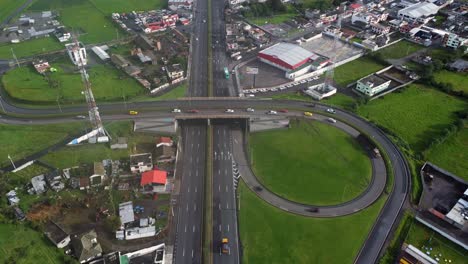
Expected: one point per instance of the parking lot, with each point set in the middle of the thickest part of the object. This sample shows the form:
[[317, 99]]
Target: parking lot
[[267, 75], [325, 46]]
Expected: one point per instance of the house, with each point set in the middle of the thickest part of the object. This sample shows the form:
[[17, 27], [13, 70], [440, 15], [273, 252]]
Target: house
[[164, 141], [61, 34], [174, 71], [54, 180], [372, 85], [99, 174], [39, 184], [459, 65], [132, 70], [19, 213], [12, 198], [126, 213], [86, 247], [119, 60], [154, 181], [168, 155], [141, 162], [146, 228], [77, 53], [380, 29], [83, 183], [41, 66], [452, 41], [120, 144], [100, 52], [56, 235]]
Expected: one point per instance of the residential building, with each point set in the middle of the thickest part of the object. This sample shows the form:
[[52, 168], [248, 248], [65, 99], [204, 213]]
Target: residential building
[[120, 144], [101, 53], [54, 180], [452, 40], [164, 141], [141, 162], [119, 60], [459, 65], [372, 85], [99, 174], [174, 71], [19, 213], [83, 183], [12, 198], [86, 247], [146, 228], [126, 213], [41, 66], [380, 29], [39, 184], [61, 34], [154, 181], [77, 53], [419, 12], [57, 235]]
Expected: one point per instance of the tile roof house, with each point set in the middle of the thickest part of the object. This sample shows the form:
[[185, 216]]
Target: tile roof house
[[57, 235], [154, 181], [86, 246], [164, 141]]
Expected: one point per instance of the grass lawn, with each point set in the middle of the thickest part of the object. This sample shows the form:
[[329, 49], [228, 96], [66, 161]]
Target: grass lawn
[[422, 237], [355, 70], [120, 6], [451, 154], [314, 159], [96, 28], [458, 80], [270, 235], [89, 153], [20, 141], [8, 7], [175, 93], [417, 114], [108, 84], [20, 244], [275, 19], [339, 99], [30, 47], [400, 49]]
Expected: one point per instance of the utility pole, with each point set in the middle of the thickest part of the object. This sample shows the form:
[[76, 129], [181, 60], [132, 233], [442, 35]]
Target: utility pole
[[14, 57], [12, 163], [58, 103]]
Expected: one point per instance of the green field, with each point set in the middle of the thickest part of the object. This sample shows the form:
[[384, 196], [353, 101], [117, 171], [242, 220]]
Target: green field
[[452, 153], [96, 28], [458, 80], [89, 153], [275, 19], [399, 50], [8, 7], [417, 114], [420, 236], [355, 70], [19, 141], [339, 99], [109, 84], [22, 245], [120, 6], [30, 47], [270, 235], [309, 163]]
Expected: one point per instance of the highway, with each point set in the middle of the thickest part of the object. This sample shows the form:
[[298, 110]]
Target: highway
[[224, 195], [188, 247]]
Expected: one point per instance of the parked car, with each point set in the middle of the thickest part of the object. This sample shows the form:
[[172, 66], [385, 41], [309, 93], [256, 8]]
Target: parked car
[[303, 81], [282, 88], [176, 110], [251, 95], [289, 85], [331, 110]]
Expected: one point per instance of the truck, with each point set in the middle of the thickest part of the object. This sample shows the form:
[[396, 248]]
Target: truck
[[225, 249]]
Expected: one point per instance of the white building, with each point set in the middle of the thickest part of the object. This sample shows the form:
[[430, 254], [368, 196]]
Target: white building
[[77, 53], [372, 85], [419, 12], [141, 162], [452, 40]]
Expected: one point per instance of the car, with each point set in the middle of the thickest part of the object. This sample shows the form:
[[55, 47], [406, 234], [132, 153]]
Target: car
[[258, 188], [253, 91], [331, 110], [312, 209], [204, 20], [283, 110], [289, 85], [229, 110], [251, 95], [80, 117], [303, 81], [196, 38], [310, 79], [132, 112], [308, 114], [176, 110], [316, 78], [331, 120], [264, 90], [193, 111], [282, 88], [272, 112], [274, 89], [250, 110], [296, 83]]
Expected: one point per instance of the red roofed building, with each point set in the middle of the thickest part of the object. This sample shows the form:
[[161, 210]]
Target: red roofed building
[[154, 181], [164, 141], [356, 7]]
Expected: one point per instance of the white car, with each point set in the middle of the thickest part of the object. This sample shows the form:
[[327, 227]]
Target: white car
[[331, 120], [272, 112], [296, 83], [253, 91], [263, 90], [80, 117], [331, 110], [274, 89], [282, 88], [176, 110], [251, 95], [250, 110], [229, 111], [316, 78], [303, 81], [289, 85]]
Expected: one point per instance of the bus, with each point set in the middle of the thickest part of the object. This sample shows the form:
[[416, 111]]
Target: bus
[[226, 73]]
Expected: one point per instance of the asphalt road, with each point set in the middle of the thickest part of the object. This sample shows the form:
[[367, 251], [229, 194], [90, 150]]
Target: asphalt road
[[224, 196], [188, 246]]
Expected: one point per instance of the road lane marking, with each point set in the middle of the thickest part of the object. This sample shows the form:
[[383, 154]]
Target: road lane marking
[[226, 188], [193, 229], [228, 227], [195, 207], [219, 228], [219, 206], [185, 228], [195, 189], [183, 252], [192, 253], [227, 205]]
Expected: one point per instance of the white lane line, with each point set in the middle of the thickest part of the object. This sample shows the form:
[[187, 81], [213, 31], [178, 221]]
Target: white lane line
[[219, 228], [219, 188], [192, 253], [227, 205], [198, 159], [226, 188], [187, 208], [183, 252], [185, 228], [219, 206], [219, 171], [195, 207], [188, 189], [193, 229], [228, 227], [195, 189], [198, 145], [196, 173], [225, 172]]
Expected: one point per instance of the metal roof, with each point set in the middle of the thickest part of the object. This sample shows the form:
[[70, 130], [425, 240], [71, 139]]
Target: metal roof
[[126, 212], [420, 9], [289, 53]]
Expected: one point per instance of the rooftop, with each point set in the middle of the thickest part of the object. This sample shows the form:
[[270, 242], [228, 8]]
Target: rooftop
[[126, 212], [54, 232], [86, 246], [141, 158], [373, 80], [420, 9], [289, 53], [154, 176]]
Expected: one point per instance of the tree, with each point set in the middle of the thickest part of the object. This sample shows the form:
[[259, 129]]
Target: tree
[[112, 223]]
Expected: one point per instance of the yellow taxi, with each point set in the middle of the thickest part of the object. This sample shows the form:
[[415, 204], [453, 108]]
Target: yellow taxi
[[307, 114], [133, 112]]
